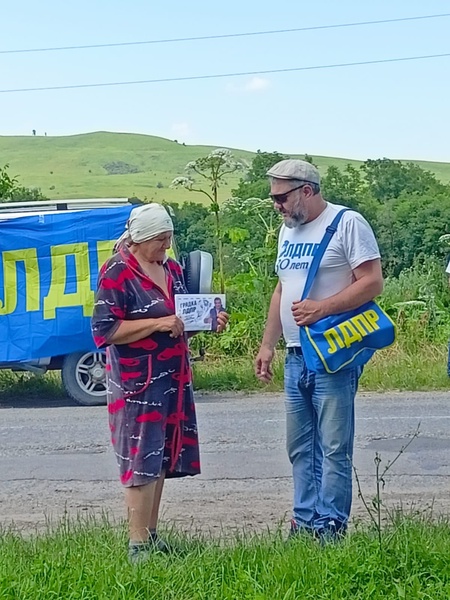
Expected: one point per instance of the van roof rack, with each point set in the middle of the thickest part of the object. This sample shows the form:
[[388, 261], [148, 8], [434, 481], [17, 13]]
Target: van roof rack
[[63, 204]]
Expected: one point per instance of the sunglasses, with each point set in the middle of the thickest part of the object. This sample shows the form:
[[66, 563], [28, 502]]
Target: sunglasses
[[282, 198]]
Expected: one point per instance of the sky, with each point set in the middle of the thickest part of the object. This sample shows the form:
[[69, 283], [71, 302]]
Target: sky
[[395, 110]]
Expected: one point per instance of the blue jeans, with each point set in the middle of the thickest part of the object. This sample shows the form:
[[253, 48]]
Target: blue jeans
[[448, 360], [320, 427]]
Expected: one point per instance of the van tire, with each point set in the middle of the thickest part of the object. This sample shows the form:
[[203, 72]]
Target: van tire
[[198, 270], [84, 377], [192, 272]]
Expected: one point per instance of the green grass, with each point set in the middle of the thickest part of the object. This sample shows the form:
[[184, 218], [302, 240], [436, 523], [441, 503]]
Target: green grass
[[88, 560], [72, 166], [26, 385], [391, 369], [398, 369]]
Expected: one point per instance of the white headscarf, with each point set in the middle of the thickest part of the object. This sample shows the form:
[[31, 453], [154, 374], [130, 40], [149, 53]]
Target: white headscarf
[[146, 222]]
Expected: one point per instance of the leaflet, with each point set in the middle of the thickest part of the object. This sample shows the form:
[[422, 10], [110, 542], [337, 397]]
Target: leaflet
[[199, 311]]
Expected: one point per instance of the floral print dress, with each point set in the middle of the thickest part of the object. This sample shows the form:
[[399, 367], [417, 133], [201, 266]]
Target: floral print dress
[[149, 382]]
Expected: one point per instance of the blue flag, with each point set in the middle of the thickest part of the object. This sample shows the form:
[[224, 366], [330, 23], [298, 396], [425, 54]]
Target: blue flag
[[48, 276]]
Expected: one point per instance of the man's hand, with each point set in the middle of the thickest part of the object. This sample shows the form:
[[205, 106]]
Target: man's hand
[[307, 312], [222, 321], [263, 370]]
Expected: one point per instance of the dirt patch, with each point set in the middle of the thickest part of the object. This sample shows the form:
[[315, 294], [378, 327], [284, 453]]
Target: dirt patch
[[57, 461]]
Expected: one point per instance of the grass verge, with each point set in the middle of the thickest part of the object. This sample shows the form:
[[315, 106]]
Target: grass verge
[[87, 561], [26, 385], [395, 368]]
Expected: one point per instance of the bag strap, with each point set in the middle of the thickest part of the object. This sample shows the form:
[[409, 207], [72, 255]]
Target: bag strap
[[314, 267]]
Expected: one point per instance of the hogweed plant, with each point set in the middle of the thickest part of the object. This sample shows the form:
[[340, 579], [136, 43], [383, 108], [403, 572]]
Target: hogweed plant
[[252, 226], [213, 171]]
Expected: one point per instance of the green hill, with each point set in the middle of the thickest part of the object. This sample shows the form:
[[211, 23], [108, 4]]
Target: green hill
[[107, 164]]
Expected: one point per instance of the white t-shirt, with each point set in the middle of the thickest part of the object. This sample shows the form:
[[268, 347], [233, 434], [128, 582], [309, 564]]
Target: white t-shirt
[[447, 270], [353, 244]]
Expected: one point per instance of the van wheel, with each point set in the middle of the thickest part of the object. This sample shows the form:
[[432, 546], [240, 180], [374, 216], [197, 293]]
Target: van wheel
[[84, 377], [198, 271]]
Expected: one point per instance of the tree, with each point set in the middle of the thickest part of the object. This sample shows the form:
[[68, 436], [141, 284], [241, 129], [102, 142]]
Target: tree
[[387, 179], [213, 169], [255, 184], [409, 227], [309, 159], [194, 227], [408, 207], [347, 187], [11, 191], [24, 194], [7, 184], [250, 229]]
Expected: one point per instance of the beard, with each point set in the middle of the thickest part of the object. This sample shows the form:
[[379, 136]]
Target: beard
[[297, 217]]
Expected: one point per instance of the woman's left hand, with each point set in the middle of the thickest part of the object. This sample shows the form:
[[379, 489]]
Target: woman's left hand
[[222, 321]]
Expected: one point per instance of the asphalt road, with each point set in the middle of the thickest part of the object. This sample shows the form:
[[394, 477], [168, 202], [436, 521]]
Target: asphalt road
[[55, 458]]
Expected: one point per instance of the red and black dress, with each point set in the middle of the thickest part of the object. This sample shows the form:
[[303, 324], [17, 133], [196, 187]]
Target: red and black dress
[[149, 382]]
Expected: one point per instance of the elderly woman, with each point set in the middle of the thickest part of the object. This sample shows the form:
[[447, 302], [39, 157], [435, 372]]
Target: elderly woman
[[150, 397]]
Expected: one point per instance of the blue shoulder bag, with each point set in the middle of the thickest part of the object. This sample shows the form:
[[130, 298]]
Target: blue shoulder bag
[[346, 340]]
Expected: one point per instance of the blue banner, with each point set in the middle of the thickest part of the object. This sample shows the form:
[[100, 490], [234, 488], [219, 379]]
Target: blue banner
[[48, 277]]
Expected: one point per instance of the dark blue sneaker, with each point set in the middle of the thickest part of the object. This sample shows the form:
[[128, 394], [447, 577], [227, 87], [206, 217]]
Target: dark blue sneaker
[[297, 530], [333, 533]]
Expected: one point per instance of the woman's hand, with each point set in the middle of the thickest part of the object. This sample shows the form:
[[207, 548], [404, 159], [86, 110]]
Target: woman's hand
[[172, 324], [222, 321]]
